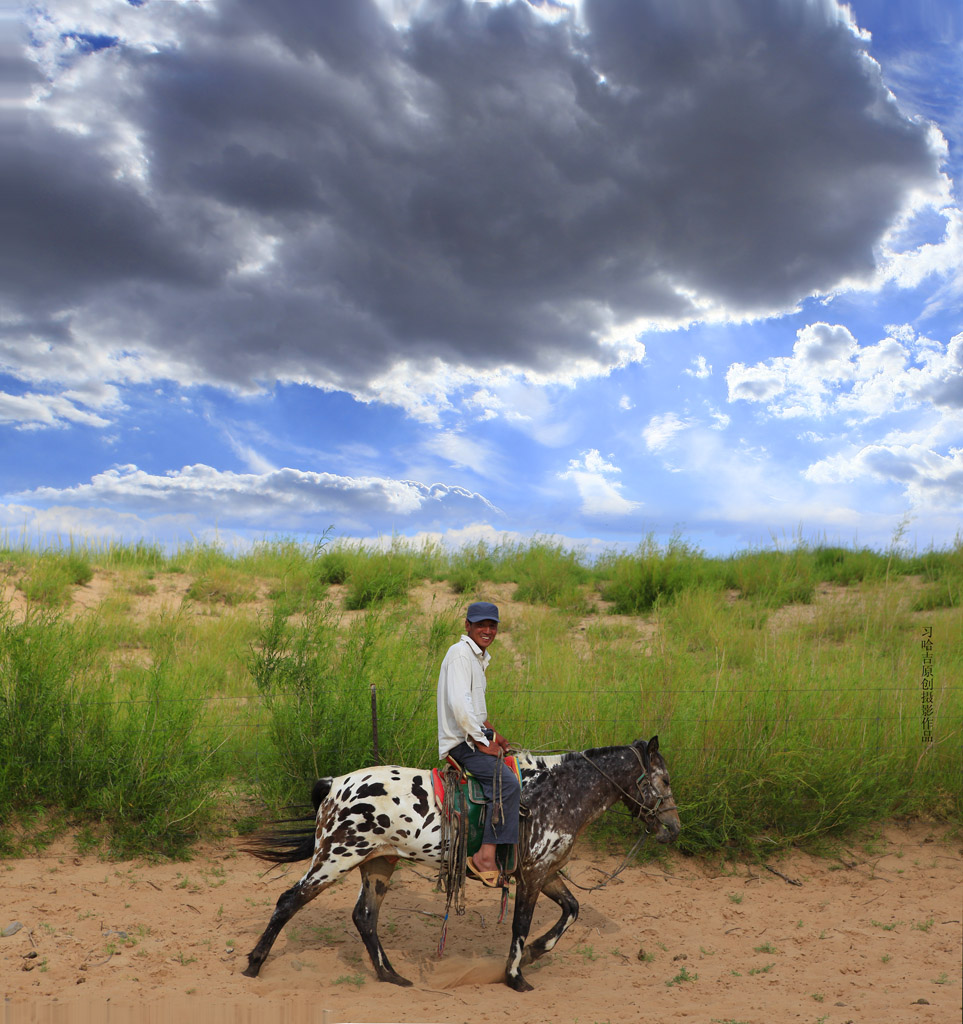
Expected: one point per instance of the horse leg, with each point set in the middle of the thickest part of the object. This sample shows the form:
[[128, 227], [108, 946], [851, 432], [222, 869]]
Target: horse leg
[[525, 898], [555, 889], [289, 903], [375, 874]]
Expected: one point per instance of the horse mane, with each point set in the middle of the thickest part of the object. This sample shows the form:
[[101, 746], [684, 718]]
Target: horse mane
[[575, 755], [595, 751], [569, 763]]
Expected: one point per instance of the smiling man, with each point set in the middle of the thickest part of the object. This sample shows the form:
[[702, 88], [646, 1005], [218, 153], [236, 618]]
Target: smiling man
[[466, 734]]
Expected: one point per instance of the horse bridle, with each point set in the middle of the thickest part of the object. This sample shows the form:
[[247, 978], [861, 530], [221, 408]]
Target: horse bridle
[[650, 815]]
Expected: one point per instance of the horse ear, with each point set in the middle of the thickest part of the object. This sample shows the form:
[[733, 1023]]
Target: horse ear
[[654, 745]]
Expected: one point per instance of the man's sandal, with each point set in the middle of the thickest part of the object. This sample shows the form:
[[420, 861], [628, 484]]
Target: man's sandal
[[489, 878]]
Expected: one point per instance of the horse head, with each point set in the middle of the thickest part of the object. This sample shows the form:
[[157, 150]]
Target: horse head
[[656, 806]]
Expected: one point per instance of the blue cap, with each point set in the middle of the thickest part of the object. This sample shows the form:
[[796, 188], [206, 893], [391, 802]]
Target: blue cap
[[481, 610]]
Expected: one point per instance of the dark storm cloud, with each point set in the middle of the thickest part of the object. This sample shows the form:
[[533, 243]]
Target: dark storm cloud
[[71, 228], [18, 75], [326, 193]]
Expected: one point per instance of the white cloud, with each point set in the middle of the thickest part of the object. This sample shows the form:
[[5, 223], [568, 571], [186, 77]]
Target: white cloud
[[662, 429], [822, 355], [459, 450], [755, 383], [829, 372], [929, 480], [942, 259], [524, 404], [287, 498], [721, 419], [830, 375], [421, 390], [823, 352], [250, 456], [467, 450], [600, 496], [35, 412], [51, 525], [702, 368]]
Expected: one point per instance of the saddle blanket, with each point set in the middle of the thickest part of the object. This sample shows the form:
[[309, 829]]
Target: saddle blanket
[[476, 803]]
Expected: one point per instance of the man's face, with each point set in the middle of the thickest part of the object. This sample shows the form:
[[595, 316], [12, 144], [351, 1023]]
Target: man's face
[[482, 632]]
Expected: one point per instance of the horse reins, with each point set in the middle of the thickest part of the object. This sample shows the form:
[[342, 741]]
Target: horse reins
[[649, 814]]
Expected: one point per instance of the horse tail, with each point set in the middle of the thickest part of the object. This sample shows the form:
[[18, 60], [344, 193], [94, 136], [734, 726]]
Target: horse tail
[[281, 846], [287, 845], [319, 791]]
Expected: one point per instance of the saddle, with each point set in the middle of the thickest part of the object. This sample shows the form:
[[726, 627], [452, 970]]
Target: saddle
[[473, 804]]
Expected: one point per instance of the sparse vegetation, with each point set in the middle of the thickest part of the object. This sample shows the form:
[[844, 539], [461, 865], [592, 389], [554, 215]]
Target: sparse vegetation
[[681, 977], [52, 575], [787, 712]]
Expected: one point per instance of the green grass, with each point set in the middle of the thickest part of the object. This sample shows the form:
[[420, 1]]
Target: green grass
[[786, 717], [654, 575], [52, 576], [545, 573], [134, 768], [681, 977], [377, 578], [470, 567], [222, 585]]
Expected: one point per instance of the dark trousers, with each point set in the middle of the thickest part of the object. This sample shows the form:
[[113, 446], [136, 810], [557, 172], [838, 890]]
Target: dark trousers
[[504, 827]]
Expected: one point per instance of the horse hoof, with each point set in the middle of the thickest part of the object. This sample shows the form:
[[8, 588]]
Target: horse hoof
[[396, 979]]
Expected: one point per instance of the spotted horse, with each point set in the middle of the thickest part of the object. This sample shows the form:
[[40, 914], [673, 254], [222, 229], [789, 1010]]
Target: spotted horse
[[373, 817]]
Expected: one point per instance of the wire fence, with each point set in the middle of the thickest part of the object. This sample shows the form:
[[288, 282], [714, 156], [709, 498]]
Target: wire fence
[[743, 762], [246, 723]]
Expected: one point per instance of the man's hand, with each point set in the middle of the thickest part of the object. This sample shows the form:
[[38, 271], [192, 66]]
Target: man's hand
[[497, 745]]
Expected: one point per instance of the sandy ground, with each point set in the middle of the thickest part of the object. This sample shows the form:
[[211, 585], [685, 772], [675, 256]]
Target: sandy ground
[[873, 935]]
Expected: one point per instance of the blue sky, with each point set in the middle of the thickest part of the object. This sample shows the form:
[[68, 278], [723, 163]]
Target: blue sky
[[458, 270]]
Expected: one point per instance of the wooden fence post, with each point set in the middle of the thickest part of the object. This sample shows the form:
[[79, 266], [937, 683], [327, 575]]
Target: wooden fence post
[[375, 755]]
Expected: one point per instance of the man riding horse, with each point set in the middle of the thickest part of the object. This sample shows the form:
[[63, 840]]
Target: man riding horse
[[370, 818], [466, 735]]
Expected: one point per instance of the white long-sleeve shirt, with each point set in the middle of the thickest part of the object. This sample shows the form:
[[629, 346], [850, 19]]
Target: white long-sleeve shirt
[[462, 711]]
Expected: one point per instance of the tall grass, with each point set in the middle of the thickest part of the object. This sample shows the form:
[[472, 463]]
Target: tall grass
[[785, 716], [317, 683], [545, 573], [654, 575], [470, 567], [67, 746], [51, 577]]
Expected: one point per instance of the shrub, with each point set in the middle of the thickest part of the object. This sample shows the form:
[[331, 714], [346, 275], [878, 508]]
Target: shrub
[[315, 683], [947, 593], [221, 585], [378, 578], [653, 575], [332, 566], [847, 565], [51, 576], [772, 578], [546, 573], [136, 766], [470, 567]]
